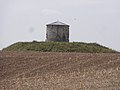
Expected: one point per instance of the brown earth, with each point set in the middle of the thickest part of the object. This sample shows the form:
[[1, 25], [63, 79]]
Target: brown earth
[[59, 71]]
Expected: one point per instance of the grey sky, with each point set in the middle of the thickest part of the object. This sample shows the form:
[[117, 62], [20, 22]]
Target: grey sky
[[89, 20]]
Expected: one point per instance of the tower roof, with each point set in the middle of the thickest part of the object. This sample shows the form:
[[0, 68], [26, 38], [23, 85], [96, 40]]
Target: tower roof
[[58, 23]]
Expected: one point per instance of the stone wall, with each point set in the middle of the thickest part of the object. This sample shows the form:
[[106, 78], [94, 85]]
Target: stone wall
[[57, 33]]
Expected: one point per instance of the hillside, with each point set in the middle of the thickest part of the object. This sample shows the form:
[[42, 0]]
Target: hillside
[[59, 71], [59, 47]]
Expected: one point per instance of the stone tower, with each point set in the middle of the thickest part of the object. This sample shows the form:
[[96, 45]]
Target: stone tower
[[57, 32]]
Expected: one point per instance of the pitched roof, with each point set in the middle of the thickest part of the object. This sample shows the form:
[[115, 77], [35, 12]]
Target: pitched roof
[[58, 23]]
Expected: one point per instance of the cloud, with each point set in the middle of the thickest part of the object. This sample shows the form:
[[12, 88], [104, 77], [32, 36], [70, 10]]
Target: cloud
[[50, 12]]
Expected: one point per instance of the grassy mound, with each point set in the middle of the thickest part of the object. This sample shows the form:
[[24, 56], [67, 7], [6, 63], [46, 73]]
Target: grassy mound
[[59, 47]]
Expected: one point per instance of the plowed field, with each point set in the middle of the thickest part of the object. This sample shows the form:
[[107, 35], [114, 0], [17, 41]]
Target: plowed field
[[59, 71]]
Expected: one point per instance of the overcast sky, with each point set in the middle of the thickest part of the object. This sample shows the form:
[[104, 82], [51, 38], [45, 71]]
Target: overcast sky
[[89, 20]]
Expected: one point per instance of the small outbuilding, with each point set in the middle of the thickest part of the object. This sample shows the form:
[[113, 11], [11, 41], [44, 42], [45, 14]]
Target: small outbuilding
[[57, 32]]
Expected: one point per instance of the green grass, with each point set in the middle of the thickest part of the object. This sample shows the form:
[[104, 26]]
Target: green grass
[[59, 47]]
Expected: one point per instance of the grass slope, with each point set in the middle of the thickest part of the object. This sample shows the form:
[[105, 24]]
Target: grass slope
[[59, 47]]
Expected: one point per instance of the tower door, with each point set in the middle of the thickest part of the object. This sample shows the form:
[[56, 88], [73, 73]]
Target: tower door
[[64, 38]]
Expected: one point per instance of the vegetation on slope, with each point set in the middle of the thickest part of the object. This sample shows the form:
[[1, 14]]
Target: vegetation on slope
[[59, 47]]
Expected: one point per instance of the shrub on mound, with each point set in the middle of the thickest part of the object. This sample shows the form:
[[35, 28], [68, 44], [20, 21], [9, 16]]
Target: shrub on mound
[[59, 47]]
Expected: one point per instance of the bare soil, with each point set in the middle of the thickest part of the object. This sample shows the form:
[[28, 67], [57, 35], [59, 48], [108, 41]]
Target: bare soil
[[59, 71]]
